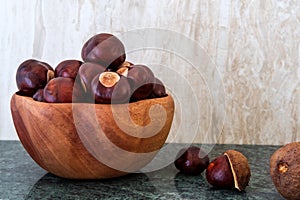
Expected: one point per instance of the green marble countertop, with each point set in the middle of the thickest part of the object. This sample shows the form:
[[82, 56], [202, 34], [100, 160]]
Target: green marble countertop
[[22, 178]]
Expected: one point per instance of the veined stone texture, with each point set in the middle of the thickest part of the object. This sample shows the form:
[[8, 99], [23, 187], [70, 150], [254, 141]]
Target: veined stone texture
[[245, 89]]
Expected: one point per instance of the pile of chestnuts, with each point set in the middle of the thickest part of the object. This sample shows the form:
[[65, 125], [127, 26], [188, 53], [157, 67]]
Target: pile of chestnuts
[[227, 171], [104, 76]]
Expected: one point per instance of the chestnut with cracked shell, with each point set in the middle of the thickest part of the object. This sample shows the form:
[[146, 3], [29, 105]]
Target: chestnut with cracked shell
[[62, 90], [191, 161], [141, 79], [105, 49], [68, 68], [230, 170], [110, 87], [33, 75]]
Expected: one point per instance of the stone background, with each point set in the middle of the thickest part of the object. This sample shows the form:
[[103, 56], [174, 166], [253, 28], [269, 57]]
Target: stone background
[[251, 96]]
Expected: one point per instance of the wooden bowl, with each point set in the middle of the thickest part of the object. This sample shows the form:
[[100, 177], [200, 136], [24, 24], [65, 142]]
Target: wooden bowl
[[92, 141]]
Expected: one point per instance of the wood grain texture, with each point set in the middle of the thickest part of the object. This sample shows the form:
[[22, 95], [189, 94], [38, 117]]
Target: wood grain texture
[[83, 141]]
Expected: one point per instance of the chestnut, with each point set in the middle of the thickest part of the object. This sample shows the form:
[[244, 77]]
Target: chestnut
[[33, 75], [191, 161], [67, 68], [110, 87], [230, 170], [62, 90], [141, 80], [39, 95], [87, 72], [159, 89], [105, 49]]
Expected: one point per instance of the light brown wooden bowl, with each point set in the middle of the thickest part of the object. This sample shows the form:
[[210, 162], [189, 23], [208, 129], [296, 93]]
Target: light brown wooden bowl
[[92, 141]]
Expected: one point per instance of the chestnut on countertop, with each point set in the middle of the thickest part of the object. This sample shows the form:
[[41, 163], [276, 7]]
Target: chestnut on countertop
[[22, 178]]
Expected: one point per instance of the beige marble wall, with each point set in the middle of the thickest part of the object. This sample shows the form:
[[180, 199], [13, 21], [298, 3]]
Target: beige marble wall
[[248, 92]]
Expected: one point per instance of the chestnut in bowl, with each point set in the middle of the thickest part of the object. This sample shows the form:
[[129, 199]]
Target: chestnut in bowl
[[142, 81], [87, 72], [33, 75], [67, 68], [86, 141], [63, 90], [159, 89], [110, 87], [105, 49]]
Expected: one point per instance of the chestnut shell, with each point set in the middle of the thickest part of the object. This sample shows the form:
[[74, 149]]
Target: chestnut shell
[[240, 168]]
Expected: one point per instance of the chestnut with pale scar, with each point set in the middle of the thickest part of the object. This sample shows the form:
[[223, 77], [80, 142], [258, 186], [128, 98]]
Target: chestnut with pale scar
[[110, 87]]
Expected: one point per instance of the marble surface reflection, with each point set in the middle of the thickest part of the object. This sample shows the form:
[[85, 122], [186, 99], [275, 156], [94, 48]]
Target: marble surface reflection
[[22, 178]]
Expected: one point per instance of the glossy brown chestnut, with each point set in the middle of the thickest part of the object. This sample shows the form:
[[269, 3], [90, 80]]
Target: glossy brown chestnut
[[191, 161], [231, 170], [141, 80], [110, 88], [39, 95], [218, 173], [159, 89], [33, 75], [87, 72], [67, 68], [62, 90], [105, 49]]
